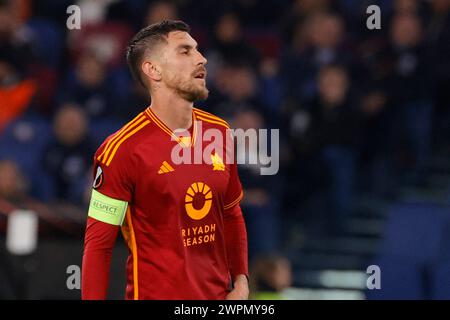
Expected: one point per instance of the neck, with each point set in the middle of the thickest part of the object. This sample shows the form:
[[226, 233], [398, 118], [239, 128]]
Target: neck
[[175, 112]]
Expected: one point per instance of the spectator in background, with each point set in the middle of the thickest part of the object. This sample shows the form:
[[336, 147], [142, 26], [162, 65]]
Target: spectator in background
[[90, 86], [13, 186], [161, 10], [406, 6], [270, 276], [14, 38], [324, 45], [227, 45], [235, 88], [262, 193], [408, 82], [329, 135], [298, 12], [16, 90], [16, 94], [69, 155], [270, 88], [14, 195], [377, 124], [411, 7], [438, 35]]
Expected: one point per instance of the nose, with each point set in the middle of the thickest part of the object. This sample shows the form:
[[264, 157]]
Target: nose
[[202, 59]]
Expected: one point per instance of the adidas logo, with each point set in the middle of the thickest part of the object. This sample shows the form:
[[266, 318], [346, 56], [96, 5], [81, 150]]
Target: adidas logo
[[165, 168]]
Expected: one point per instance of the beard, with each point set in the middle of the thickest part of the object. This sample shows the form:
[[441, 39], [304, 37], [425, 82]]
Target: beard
[[192, 92], [188, 89]]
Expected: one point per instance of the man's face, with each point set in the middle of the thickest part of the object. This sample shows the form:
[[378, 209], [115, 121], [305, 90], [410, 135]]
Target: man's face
[[333, 85], [183, 66], [70, 117]]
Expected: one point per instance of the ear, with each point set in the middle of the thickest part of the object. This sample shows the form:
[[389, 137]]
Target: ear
[[151, 70]]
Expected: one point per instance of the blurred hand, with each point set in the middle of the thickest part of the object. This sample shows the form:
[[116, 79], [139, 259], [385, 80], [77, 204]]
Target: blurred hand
[[241, 290], [373, 103]]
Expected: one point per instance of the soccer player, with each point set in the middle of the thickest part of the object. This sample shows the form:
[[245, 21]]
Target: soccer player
[[182, 222]]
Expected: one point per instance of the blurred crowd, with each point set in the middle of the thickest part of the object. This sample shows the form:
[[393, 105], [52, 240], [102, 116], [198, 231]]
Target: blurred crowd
[[359, 110]]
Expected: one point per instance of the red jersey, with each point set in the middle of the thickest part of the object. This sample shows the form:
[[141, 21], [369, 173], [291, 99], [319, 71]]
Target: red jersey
[[175, 223]]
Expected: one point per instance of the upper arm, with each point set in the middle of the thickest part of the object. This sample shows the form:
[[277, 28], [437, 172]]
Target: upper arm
[[113, 188]]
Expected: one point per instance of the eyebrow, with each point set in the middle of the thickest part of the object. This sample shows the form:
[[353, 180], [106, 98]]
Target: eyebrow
[[186, 46]]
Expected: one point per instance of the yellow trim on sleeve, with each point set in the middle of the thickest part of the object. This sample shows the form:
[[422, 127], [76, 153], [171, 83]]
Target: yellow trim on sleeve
[[232, 204], [119, 134], [123, 139]]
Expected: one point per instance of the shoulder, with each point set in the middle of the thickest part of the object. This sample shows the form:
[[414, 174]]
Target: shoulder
[[211, 119], [122, 142]]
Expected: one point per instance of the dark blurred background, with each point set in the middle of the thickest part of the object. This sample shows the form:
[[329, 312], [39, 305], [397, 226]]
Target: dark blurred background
[[364, 119]]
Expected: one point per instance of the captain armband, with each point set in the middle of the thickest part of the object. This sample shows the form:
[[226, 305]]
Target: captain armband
[[106, 209]]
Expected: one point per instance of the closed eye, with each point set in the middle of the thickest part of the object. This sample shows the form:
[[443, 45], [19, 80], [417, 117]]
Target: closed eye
[[185, 49]]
